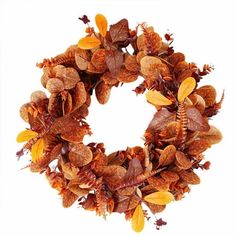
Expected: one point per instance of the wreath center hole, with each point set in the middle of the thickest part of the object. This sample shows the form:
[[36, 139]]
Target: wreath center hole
[[122, 121]]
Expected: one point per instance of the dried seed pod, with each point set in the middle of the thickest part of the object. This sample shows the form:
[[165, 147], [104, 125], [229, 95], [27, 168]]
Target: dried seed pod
[[190, 177], [182, 161], [127, 76], [208, 93], [55, 85], [80, 155]]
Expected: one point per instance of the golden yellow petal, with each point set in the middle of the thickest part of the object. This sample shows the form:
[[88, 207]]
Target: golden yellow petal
[[26, 135]]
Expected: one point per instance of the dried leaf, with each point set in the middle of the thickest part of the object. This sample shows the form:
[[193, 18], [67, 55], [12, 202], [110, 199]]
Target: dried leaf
[[37, 150], [208, 93], [68, 198], [127, 76], [82, 59], [103, 92], [154, 208], [80, 155], [190, 177], [108, 79], [183, 162], [148, 64], [169, 176], [196, 122], [126, 203], [88, 42], [113, 174], [213, 135], [135, 168], [176, 58], [99, 59], [186, 88], [131, 63], [101, 23], [157, 99], [158, 183], [26, 135], [159, 198], [120, 31], [167, 155], [160, 120], [198, 146], [114, 61], [137, 220], [55, 85]]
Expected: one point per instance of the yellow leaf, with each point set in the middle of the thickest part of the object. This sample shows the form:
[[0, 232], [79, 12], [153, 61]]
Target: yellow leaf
[[88, 42], [159, 198], [101, 23], [186, 88], [157, 99], [137, 221], [37, 150], [26, 135]]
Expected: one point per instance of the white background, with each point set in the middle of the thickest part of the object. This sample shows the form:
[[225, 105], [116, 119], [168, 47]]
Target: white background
[[33, 30]]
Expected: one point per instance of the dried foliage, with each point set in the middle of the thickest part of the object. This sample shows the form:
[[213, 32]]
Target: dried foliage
[[125, 180]]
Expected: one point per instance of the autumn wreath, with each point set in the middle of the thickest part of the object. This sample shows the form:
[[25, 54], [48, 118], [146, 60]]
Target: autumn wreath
[[124, 181]]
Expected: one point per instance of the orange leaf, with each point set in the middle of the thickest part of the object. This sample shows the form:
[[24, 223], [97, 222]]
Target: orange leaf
[[37, 150], [101, 23], [159, 198], [26, 135], [157, 99], [88, 42], [137, 220], [186, 88]]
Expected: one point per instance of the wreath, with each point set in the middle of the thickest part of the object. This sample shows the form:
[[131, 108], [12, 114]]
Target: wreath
[[138, 180]]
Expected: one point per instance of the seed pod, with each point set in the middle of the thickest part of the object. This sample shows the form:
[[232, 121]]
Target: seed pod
[[103, 92], [80, 155], [55, 85]]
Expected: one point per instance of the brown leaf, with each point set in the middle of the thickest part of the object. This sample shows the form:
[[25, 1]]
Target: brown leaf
[[159, 183], [99, 59], [182, 160], [80, 95], [108, 79], [198, 146], [148, 65], [103, 92], [208, 93], [55, 85], [196, 122], [80, 155], [213, 135], [114, 61], [68, 198], [127, 76], [169, 176], [82, 58], [113, 174], [160, 120], [154, 208], [135, 168], [176, 57], [131, 63], [125, 203], [167, 155], [190, 177], [119, 32]]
